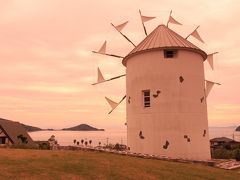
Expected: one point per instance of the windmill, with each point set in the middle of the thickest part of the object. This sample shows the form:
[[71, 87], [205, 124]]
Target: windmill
[[166, 92]]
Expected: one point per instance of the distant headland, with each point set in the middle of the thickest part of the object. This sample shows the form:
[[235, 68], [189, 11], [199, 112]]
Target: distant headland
[[31, 128], [238, 128], [81, 127]]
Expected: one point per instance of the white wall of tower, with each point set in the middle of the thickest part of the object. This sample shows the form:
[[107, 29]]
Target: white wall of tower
[[176, 112]]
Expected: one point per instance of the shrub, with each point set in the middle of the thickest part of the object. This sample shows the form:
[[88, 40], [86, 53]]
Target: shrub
[[237, 154], [117, 147], [120, 147], [44, 146], [223, 154], [235, 146], [227, 146], [22, 146], [23, 139]]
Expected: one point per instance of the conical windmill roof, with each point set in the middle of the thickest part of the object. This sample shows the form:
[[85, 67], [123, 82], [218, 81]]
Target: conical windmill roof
[[164, 38]]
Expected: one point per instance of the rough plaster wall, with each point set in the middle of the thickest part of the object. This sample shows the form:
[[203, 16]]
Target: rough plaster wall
[[177, 111]]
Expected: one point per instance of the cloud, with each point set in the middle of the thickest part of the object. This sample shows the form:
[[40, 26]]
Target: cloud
[[47, 66]]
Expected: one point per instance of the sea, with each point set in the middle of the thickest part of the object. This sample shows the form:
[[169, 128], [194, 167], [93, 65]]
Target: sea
[[113, 136]]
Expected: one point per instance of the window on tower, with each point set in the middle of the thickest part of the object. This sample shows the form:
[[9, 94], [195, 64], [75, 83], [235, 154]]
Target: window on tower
[[146, 98], [170, 53]]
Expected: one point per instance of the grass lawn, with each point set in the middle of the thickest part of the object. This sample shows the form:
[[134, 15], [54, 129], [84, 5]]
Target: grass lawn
[[41, 164]]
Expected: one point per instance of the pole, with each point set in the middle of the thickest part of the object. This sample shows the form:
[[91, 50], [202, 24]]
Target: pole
[[117, 105], [144, 28], [169, 17], [192, 32], [110, 79], [113, 55], [124, 36]]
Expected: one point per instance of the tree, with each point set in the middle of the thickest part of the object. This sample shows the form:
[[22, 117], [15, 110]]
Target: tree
[[99, 143], [117, 147], [78, 143], [82, 141], [23, 139], [74, 141], [86, 143], [90, 142]]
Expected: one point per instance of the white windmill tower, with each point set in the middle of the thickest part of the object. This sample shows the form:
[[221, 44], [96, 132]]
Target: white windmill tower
[[166, 94]]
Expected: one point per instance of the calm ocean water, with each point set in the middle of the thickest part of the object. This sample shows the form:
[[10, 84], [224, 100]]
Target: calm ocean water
[[66, 137], [115, 135]]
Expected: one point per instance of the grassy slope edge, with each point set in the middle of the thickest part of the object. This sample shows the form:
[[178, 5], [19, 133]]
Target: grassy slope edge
[[39, 164]]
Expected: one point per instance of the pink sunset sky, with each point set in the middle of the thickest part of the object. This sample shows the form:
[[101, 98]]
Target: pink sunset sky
[[47, 66]]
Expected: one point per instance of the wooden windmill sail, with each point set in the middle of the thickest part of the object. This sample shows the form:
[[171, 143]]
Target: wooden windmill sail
[[120, 27]]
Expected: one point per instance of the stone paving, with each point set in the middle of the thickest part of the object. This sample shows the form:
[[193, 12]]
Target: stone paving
[[228, 164]]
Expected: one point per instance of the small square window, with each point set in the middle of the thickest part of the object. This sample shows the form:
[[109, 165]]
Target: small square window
[[170, 53], [146, 93], [146, 98], [147, 104], [2, 140]]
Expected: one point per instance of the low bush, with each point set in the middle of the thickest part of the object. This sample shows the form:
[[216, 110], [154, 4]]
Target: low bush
[[223, 154], [237, 154], [44, 146]]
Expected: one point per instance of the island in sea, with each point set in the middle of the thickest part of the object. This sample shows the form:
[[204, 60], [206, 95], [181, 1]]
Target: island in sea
[[238, 128], [81, 127]]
